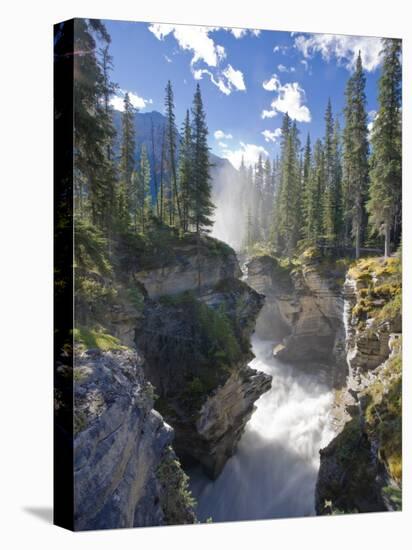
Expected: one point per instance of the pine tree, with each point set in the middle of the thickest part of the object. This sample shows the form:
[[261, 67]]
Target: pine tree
[[127, 160], [328, 222], [201, 206], [109, 171], [337, 180], [268, 195], [386, 162], [356, 151], [314, 212], [185, 170], [144, 199], [288, 218], [279, 212], [93, 127], [171, 135], [306, 189]]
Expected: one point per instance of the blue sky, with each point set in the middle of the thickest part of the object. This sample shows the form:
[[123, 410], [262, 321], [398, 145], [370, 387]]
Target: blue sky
[[248, 78]]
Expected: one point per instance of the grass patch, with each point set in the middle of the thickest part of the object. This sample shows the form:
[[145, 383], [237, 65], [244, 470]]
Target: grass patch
[[96, 339]]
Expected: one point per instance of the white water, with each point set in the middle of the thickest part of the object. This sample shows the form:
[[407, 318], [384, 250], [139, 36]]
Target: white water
[[273, 472]]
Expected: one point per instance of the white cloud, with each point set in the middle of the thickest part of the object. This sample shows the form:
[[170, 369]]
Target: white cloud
[[223, 145], [219, 134], [223, 86], [248, 151], [344, 48], [227, 80], [266, 113], [289, 99], [272, 136], [281, 49], [272, 84], [372, 118], [240, 33], [168, 59], [235, 78], [193, 38], [205, 51], [138, 102], [305, 64], [284, 69]]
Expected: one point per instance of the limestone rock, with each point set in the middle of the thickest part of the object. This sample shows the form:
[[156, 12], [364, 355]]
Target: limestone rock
[[195, 265], [204, 394], [120, 446], [303, 309]]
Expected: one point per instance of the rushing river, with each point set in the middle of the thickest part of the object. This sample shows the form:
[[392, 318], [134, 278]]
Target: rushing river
[[273, 472]]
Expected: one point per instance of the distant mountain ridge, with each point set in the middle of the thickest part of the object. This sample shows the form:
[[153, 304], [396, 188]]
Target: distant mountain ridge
[[222, 171]]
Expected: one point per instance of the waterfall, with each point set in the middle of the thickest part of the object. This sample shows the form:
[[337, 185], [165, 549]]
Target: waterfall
[[348, 297], [273, 472]]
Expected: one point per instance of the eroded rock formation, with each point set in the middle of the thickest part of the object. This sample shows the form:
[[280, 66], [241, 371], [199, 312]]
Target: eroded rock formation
[[361, 468], [126, 473], [196, 342], [303, 308]]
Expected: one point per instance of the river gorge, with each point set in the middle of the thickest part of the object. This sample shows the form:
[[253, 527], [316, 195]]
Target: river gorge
[[273, 472], [262, 379]]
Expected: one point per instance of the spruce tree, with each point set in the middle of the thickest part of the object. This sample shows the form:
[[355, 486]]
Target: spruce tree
[[279, 213], [127, 160], [93, 127], [144, 199], [288, 215], [314, 211], [306, 189], [268, 195], [328, 222], [108, 167], [201, 206], [171, 136], [337, 180], [185, 171], [356, 155], [386, 161]]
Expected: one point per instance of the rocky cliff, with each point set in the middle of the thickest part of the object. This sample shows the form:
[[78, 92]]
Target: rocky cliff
[[196, 342], [303, 308], [180, 303], [361, 469], [126, 473]]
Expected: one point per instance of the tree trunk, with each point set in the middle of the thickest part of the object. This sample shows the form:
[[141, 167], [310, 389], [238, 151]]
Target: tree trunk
[[357, 242], [387, 240]]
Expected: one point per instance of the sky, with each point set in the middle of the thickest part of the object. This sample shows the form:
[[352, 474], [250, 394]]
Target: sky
[[248, 78]]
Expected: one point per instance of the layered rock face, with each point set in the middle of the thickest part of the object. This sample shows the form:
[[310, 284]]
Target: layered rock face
[[303, 309], [125, 471], [367, 342], [195, 264], [361, 469], [180, 303], [197, 350]]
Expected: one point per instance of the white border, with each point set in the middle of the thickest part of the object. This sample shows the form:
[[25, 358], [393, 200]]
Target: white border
[[26, 270]]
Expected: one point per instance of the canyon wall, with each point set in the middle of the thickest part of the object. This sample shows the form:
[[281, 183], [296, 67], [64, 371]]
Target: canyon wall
[[361, 469]]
